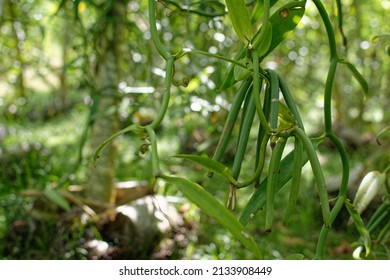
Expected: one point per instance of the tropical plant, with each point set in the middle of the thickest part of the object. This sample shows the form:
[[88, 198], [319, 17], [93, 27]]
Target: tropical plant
[[279, 120]]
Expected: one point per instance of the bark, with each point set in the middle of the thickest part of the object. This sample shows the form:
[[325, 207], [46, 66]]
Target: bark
[[100, 184]]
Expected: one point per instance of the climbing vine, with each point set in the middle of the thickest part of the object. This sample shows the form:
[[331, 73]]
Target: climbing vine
[[264, 95]]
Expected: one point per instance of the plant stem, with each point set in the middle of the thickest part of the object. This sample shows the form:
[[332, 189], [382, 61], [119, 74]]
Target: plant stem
[[153, 30], [166, 94], [345, 164], [328, 126], [328, 96], [328, 26], [265, 19], [154, 152]]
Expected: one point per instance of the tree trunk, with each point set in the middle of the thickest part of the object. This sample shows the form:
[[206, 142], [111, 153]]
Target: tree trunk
[[17, 30], [100, 183]]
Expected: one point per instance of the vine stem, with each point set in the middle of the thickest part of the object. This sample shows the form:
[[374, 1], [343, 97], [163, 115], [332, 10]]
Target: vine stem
[[221, 57], [328, 127], [167, 92], [328, 96], [153, 30], [328, 26], [153, 143]]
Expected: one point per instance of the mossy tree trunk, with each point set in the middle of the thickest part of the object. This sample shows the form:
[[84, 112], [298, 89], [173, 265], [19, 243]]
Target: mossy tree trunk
[[109, 39]]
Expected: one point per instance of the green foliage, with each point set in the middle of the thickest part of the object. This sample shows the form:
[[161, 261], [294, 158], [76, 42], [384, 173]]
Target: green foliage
[[210, 164], [239, 16], [356, 74], [56, 198], [212, 207], [283, 21]]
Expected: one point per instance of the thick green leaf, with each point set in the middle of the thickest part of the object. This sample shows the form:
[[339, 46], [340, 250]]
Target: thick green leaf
[[241, 73], [285, 115], [56, 198], [230, 80], [207, 203], [241, 22], [364, 233], [258, 198], [131, 128], [283, 21], [262, 45], [258, 10], [211, 165], [359, 77]]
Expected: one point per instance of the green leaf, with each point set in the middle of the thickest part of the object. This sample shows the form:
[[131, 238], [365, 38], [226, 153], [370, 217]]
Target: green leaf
[[241, 22], [359, 77], [262, 44], [208, 8], [56, 198], [258, 198], [285, 115], [364, 233], [210, 164], [207, 203], [241, 73], [131, 128], [283, 21], [258, 10], [230, 80]]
